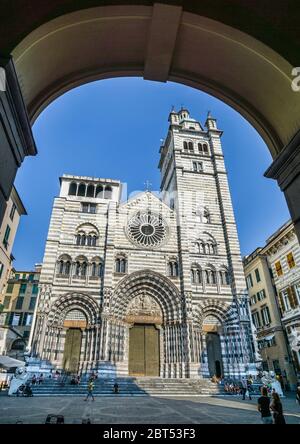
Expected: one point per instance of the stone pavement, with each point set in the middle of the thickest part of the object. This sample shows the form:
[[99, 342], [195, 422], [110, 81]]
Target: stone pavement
[[145, 410]]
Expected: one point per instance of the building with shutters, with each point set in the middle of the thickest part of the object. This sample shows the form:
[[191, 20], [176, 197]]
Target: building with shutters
[[271, 337], [150, 286], [283, 255], [8, 230], [18, 299]]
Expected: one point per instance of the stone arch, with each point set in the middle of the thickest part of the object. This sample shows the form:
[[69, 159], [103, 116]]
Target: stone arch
[[73, 301], [238, 53], [87, 227], [152, 284], [225, 313]]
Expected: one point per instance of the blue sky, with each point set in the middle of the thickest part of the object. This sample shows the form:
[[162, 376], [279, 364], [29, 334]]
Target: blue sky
[[112, 128]]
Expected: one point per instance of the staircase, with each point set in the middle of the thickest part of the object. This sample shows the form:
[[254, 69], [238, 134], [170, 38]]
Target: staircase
[[130, 386]]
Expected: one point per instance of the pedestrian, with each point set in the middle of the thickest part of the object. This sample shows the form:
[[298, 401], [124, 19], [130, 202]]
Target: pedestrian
[[116, 387], [41, 378], [249, 386], [276, 407], [33, 380], [245, 388], [263, 406], [91, 386], [298, 395]]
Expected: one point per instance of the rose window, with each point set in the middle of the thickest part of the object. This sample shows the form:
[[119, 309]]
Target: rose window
[[147, 229]]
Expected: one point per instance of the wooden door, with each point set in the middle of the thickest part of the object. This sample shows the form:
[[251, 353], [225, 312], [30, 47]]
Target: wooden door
[[72, 350], [144, 350]]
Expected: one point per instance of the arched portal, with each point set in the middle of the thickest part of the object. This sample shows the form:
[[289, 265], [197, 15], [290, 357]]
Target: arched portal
[[212, 329], [67, 336], [146, 323], [145, 318]]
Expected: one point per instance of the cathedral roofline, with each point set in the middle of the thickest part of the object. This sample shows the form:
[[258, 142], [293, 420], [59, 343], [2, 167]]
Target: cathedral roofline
[[141, 193], [89, 179]]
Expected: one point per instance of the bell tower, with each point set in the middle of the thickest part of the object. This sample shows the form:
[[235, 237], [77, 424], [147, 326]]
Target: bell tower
[[194, 182]]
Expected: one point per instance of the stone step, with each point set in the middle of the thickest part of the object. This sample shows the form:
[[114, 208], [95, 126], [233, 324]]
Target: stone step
[[131, 387]]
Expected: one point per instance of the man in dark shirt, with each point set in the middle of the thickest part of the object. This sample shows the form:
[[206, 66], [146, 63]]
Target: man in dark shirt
[[263, 406]]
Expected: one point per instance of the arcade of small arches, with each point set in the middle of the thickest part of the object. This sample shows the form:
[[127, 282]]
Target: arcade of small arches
[[206, 246], [209, 276], [87, 235], [121, 264], [91, 190], [202, 148], [80, 267]]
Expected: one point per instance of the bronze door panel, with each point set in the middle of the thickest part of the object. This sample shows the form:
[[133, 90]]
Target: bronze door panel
[[137, 350], [152, 351], [72, 350], [143, 350]]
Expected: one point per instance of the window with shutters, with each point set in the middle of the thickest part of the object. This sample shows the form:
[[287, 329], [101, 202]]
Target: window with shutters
[[253, 299], [35, 289], [16, 318], [290, 260], [12, 211], [292, 297], [256, 320], [9, 288], [19, 303], [257, 275], [261, 295], [286, 300], [265, 314], [6, 302], [297, 292], [249, 281], [278, 268], [6, 236], [32, 303], [22, 288]]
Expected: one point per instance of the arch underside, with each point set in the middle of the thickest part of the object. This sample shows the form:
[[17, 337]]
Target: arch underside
[[151, 284], [196, 51]]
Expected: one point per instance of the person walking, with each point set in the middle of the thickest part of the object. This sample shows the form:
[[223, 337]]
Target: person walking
[[276, 407], [249, 386], [91, 386], [245, 388], [263, 406]]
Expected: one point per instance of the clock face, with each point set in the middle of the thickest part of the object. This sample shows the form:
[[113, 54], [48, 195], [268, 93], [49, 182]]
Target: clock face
[[147, 229]]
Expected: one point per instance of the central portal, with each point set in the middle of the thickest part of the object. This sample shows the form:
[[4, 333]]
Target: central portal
[[72, 350], [144, 350]]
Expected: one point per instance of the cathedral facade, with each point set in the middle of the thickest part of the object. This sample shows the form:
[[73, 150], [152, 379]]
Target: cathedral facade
[[153, 286]]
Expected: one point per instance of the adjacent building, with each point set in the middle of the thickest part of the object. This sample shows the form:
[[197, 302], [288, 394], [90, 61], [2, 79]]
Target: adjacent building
[[273, 282], [270, 334], [153, 286], [18, 300], [8, 229], [283, 253]]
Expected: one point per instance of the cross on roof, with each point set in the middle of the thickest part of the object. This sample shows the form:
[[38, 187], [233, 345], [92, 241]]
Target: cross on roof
[[147, 185]]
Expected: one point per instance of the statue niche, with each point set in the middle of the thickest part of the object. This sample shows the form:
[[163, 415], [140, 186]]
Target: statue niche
[[144, 309]]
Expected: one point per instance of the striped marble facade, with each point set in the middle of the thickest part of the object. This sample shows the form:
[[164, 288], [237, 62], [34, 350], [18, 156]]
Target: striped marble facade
[[193, 274]]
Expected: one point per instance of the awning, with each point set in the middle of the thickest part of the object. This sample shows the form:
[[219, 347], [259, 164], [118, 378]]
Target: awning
[[7, 362], [268, 338]]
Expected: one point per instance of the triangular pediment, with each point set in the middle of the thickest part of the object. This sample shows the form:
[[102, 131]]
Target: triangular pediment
[[145, 200]]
